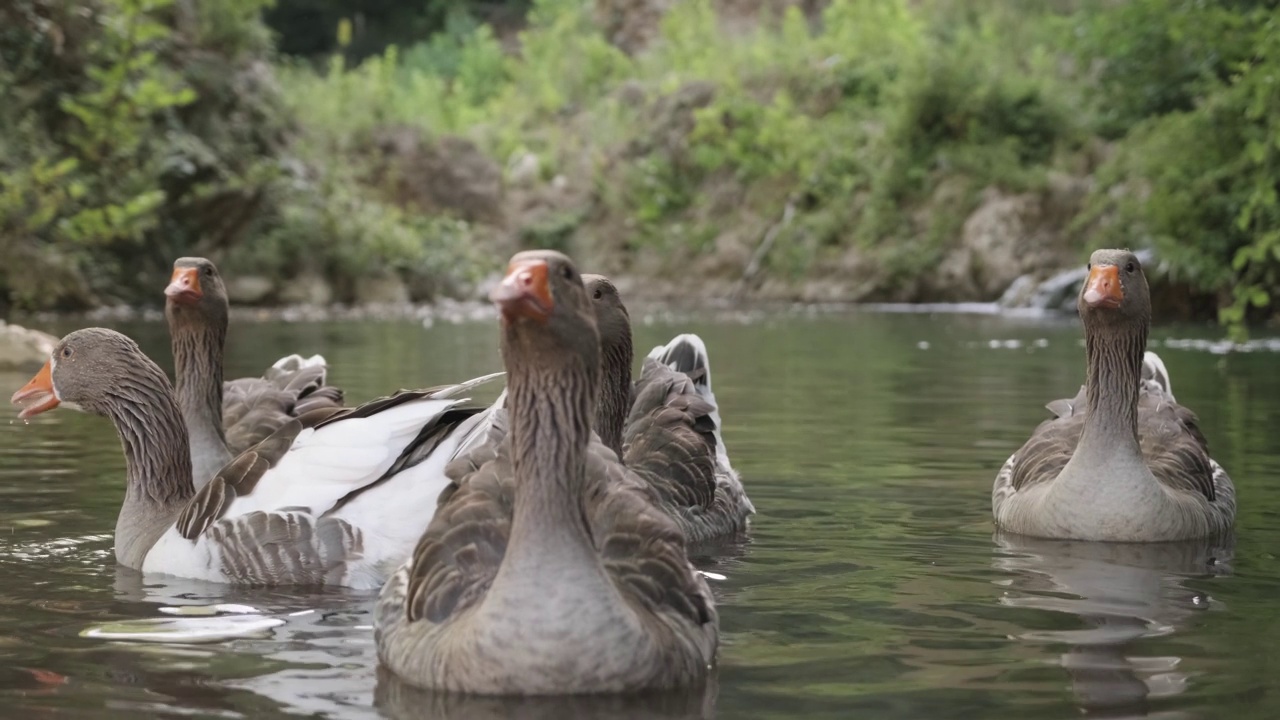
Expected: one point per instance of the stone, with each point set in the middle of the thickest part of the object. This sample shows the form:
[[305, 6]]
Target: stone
[[249, 289], [1009, 236], [308, 288], [23, 348]]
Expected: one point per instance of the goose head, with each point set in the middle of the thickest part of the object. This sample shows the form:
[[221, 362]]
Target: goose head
[[612, 319], [196, 293], [86, 369], [1115, 294], [545, 307]]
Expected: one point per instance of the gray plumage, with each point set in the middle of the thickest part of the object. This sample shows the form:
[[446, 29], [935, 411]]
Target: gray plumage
[[255, 522], [666, 427], [226, 418], [1122, 461], [549, 567]]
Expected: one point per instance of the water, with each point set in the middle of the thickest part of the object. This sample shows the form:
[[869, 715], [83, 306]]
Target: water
[[872, 583]]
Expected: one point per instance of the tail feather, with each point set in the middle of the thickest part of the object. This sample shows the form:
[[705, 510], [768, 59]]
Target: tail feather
[[295, 362], [688, 354], [1153, 370]]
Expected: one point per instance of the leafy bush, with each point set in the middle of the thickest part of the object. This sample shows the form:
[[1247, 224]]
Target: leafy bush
[[83, 164], [140, 130], [1193, 87], [1204, 181], [1154, 57]]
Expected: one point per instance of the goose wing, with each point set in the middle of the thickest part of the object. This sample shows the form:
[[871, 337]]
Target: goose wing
[[253, 408], [1174, 447], [1042, 457], [300, 507], [672, 438], [458, 557]]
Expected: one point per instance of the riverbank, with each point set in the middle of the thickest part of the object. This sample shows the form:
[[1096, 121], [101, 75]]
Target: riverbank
[[837, 151], [1053, 298]]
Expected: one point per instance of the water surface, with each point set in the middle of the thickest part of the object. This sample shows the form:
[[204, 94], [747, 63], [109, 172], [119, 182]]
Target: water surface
[[872, 582]]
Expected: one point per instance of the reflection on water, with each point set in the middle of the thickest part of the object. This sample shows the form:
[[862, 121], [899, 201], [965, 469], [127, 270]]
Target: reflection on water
[[869, 443], [402, 702], [1121, 593]]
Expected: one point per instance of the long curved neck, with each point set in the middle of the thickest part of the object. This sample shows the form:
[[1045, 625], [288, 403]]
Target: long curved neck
[[615, 395], [550, 404], [197, 370], [1114, 356], [549, 396], [157, 459]]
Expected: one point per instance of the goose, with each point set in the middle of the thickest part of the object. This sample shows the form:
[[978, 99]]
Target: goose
[[224, 419], [337, 497], [549, 567], [1122, 461], [667, 426]]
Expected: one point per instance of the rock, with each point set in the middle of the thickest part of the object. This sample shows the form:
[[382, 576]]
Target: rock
[[309, 288], [1009, 236], [23, 348], [1019, 293], [450, 174], [383, 289], [988, 258], [249, 289]]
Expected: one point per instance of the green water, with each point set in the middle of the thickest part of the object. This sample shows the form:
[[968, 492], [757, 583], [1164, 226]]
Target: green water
[[872, 583]]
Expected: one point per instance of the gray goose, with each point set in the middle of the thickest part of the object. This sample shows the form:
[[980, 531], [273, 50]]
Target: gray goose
[[225, 419], [549, 567], [336, 497], [1122, 461], [666, 427]]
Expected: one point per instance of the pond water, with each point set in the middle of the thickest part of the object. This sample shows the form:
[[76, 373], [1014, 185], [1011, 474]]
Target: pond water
[[872, 582]]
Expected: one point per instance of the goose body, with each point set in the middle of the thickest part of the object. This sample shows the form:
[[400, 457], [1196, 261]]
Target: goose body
[[667, 427], [336, 497], [1122, 461], [226, 418], [550, 568]]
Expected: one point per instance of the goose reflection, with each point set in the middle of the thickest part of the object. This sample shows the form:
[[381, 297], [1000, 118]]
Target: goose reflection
[[1122, 593], [399, 701], [322, 660]]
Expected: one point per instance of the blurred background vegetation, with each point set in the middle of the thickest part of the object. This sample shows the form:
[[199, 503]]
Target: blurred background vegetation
[[908, 150]]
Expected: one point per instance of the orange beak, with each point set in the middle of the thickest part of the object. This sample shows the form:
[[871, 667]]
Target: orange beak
[[525, 291], [184, 286], [38, 395], [1102, 289]]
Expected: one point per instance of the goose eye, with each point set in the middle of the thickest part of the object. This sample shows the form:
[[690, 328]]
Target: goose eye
[[1129, 268], [66, 352], [597, 294], [208, 271], [1088, 266], [567, 272]]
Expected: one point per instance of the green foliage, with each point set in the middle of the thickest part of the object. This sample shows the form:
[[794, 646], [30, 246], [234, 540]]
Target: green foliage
[[1203, 181], [360, 235], [142, 129], [82, 161], [1158, 56]]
